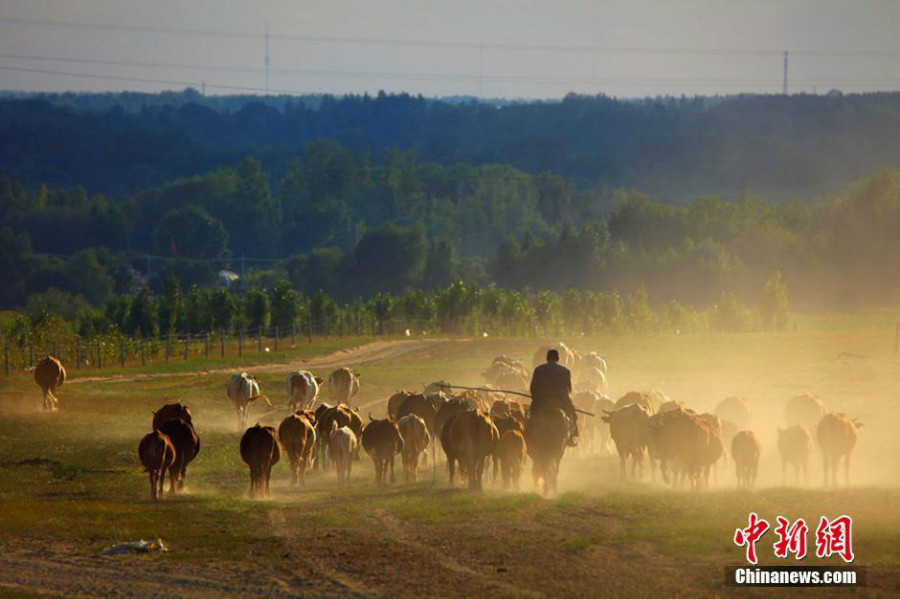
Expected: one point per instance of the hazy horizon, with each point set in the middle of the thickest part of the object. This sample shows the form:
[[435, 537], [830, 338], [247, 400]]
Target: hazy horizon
[[498, 49]]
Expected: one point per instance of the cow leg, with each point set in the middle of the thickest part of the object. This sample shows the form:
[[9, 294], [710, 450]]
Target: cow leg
[[451, 466], [161, 484], [349, 467], [154, 480], [392, 469], [622, 468]]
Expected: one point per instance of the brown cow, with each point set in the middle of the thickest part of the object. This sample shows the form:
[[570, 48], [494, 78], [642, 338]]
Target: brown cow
[[637, 397], [806, 410], [157, 455], [260, 451], [511, 452], [472, 436], [298, 439], [415, 440], [715, 443], [735, 409], [395, 401], [454, 406], [546, 433], [382, 441], [172, 411], [837, 438], [795, 447], [344, 415], [745, 449], [187, 446], [628, 427], [50, 375]]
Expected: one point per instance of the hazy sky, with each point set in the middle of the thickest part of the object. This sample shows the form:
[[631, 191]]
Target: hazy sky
[[495, 48]]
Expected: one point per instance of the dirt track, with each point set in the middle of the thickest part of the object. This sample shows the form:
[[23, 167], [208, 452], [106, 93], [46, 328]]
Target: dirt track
[[370, 353]]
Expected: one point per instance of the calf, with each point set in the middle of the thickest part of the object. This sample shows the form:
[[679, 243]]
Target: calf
[[342, 445], [157, 455], [511, 452], [745, 450]]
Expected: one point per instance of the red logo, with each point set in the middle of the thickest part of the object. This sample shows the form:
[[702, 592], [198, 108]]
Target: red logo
[[835, 537], [791, 538], [750, 535]]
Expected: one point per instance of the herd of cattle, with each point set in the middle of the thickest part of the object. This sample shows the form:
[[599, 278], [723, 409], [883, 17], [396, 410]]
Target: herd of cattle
[[489, 425]]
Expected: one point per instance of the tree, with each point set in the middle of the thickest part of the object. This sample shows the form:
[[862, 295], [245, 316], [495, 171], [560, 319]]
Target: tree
[[257, 309], [141, 319], [191, 232], [440, 265], [774, 308], [170, 305], [285, 304], [389, 258]]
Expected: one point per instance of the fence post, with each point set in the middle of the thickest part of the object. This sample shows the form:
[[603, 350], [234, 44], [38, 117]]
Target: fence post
[[293, 334], [121, 353], [31, 356], [143, 356], [276, 337], [259, 339], [6, 357], [187, 345], [99, 354], [240, 343], [77, 352], [222, 344], [167, 347], [206, 346]]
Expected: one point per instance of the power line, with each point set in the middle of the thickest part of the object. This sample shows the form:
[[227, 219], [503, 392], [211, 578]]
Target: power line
[[540, 80], [474, 45]]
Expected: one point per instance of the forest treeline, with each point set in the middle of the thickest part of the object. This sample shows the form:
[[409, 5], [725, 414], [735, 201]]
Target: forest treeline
[[671, 148], [343, 224]]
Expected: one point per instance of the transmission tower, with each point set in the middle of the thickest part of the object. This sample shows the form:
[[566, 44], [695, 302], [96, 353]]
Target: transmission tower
[[784, 86]]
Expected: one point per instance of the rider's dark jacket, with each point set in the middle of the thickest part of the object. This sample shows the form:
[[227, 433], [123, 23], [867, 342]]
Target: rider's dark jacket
[[551, 384]]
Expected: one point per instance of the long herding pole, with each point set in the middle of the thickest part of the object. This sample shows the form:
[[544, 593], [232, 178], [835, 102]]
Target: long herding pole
[[506, 391]]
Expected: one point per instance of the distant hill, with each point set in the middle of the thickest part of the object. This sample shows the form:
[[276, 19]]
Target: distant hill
[[673, 148]]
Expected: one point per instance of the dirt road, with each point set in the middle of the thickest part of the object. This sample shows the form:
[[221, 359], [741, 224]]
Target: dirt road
[[370, 353]]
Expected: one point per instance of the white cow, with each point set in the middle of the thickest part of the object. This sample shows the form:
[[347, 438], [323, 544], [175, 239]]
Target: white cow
[[243, 390], [302, 390], [343, 385]]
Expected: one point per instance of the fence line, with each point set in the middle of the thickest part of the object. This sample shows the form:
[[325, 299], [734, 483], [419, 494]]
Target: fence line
[[102, 351]]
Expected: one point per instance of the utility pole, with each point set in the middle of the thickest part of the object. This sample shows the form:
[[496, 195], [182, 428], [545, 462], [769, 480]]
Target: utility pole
[[480, 69], [784, 87], [267, 59]]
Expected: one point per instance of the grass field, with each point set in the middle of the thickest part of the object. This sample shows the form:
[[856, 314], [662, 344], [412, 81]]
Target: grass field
[[71, 483]]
